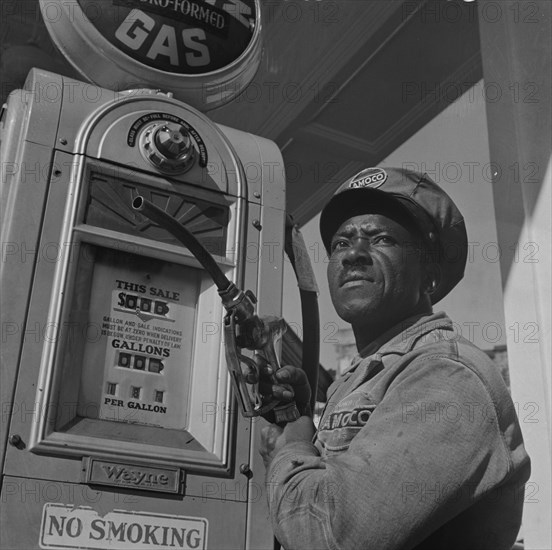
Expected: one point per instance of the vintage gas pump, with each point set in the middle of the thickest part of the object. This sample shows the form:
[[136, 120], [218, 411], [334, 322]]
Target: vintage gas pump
[[120, 425], [122, 432]]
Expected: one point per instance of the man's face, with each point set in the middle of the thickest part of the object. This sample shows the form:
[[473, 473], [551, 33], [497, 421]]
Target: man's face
[[375, 274]]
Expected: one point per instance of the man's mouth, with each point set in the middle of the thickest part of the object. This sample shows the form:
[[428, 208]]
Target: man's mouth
[[355, 276]]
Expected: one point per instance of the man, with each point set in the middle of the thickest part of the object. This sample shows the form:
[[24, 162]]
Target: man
[[419, 445]]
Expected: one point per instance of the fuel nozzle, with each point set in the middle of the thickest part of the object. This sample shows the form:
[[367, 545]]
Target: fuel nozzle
[[243, 328]]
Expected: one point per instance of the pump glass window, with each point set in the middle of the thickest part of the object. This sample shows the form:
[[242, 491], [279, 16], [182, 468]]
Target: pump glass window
[[133, 320]]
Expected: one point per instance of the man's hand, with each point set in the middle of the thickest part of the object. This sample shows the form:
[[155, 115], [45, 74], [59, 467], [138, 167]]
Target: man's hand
[[273, 437], [291, 384]]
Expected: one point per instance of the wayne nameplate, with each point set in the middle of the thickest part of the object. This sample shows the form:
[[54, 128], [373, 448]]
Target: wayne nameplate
[[132, 476]]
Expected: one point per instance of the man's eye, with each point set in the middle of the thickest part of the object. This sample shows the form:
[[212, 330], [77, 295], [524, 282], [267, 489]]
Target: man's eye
[[384, 239], [341, 243]]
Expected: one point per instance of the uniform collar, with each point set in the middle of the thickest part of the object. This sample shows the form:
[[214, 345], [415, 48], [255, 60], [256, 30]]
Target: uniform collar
[[402, 338]]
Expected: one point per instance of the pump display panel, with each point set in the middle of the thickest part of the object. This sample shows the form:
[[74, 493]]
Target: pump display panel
[[136, 360]]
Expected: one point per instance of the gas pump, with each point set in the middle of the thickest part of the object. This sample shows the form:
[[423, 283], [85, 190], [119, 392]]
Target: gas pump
[[121, 422]]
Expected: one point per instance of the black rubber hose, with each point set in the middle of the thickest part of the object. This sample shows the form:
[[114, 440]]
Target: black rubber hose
[[311, 340], [309, 299], [166, 221], [310, 316]]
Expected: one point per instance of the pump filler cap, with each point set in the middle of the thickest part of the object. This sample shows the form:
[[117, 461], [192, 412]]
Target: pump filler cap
[[169, 147]]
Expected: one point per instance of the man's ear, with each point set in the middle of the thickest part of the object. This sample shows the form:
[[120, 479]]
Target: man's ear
[[432, 278]]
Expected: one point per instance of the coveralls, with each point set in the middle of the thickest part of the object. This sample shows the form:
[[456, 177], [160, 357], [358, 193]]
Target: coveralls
[[419, 446]]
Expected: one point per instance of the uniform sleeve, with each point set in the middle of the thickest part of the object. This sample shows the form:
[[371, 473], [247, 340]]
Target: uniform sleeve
[[430, 448]]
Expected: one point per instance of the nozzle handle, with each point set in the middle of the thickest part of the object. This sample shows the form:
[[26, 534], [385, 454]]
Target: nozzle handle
[[286, 413]]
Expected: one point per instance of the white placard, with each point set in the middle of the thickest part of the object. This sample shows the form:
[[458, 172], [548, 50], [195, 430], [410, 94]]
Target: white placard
[[67, 526]]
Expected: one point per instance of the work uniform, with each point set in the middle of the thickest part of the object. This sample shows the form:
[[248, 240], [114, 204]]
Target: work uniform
[[419, 446]]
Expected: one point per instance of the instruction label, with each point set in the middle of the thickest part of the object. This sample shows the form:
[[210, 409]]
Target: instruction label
[[147, 328]]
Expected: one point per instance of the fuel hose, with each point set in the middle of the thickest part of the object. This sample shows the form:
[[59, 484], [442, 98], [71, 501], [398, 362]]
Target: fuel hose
[[308, 291], [298, 255]]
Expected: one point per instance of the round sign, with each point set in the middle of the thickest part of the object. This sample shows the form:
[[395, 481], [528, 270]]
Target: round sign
[[203, 51]]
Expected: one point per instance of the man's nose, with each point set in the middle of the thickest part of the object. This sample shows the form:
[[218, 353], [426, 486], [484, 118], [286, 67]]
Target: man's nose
[[358, 253]]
